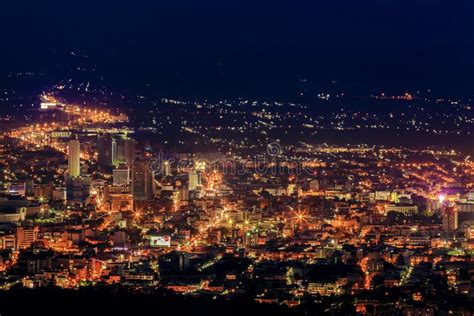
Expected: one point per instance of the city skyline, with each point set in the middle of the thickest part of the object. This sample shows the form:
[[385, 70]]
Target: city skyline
[[230, 158]]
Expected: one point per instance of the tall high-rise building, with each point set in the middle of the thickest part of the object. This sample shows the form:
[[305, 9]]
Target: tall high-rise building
[[25, 236], [123, 151], [121, 175], [450, 219], [115, 147], [74, 158], [166, 168], [129, 151], [105, 150], [194, 180], [143, 182]]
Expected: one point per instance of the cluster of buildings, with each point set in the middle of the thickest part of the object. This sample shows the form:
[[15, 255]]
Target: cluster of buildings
[[84, 203]]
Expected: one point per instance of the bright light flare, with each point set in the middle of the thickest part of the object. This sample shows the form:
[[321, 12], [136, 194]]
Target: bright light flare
[[441, 198]]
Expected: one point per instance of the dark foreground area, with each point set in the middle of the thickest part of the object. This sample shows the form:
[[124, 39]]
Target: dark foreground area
[[124, 301], [94, 301]]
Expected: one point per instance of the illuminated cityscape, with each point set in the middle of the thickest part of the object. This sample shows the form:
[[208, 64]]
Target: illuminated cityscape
[[125, 193]]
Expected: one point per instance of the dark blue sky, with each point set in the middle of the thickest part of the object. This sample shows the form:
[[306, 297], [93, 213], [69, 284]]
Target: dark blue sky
[[251, 46]]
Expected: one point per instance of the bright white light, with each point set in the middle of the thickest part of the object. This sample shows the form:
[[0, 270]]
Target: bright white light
[[441, 198]]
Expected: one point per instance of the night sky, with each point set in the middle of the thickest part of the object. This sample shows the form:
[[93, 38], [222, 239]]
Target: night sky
[[240, 47]]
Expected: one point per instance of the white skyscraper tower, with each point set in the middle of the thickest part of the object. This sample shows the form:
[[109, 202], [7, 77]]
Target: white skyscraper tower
[[74, 158], [194, 180], [166, 168]]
